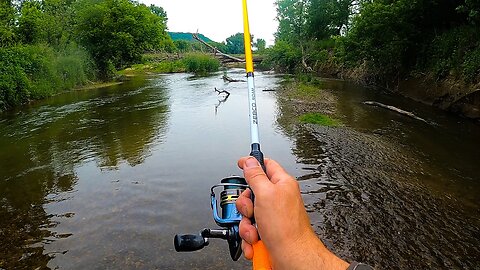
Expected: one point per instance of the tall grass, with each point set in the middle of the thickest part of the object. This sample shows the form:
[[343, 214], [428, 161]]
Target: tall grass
[[30, 72], [200, 63]]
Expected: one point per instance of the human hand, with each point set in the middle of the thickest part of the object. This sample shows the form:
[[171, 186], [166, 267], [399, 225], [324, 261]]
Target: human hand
[[281, 218]]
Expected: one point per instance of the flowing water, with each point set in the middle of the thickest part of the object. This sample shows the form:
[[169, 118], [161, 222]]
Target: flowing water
[[103, 179]]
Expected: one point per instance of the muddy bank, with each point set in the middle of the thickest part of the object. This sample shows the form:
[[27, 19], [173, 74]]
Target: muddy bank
[[449, 95], [375, 193]]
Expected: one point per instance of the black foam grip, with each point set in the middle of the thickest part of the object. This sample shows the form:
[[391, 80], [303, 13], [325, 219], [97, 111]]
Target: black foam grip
[[188, 242]]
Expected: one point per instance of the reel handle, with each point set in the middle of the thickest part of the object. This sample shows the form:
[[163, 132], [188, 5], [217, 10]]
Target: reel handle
[[189, 242]]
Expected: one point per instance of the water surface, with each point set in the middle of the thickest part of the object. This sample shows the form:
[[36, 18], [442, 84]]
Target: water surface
[[103, 179]]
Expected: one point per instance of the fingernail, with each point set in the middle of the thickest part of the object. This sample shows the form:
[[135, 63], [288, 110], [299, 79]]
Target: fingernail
[[251, 162]]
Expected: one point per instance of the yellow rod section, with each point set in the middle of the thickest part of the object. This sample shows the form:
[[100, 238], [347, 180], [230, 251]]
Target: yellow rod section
[[247, 39]]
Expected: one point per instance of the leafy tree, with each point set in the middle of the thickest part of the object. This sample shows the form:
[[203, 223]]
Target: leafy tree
[[326, 18], [235, 44], [292, 23], [7, 23], [260, 44], [182, 45], [31, 22], [128, 29]]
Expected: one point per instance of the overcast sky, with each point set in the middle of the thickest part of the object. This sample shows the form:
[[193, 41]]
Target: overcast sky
[[219, 19]]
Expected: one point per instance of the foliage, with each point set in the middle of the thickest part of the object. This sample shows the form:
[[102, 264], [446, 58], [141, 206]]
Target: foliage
[[285, 56], [292, 23], [378, 41], [325, 18], [200, 63], [7, 23], [235, 44], [37, 71], [320, 119], [260, 44], [128, 29], [39, 51], [165, 66]]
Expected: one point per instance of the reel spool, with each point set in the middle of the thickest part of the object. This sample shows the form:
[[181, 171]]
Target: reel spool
[[228, 218]]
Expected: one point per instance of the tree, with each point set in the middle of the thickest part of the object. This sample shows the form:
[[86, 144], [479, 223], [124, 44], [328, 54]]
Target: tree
[[326, 18], [31, 23], [127, 30], [260, 44], [292, 23], [7, 24], [235, 44]]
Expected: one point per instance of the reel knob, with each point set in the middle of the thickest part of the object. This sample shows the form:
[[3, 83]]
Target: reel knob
[[189, 242]]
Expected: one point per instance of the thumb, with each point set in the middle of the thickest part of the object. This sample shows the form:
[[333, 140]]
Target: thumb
[[254, 174]]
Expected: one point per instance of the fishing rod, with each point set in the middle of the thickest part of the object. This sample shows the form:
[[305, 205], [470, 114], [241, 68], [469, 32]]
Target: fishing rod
[[261, 260], [223, 206]]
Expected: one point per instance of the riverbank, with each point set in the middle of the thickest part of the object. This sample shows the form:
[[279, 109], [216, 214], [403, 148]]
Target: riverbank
[[449, 94], [384, 189]]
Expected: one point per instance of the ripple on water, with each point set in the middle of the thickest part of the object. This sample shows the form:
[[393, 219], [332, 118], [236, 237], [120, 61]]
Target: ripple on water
[[375, 208]]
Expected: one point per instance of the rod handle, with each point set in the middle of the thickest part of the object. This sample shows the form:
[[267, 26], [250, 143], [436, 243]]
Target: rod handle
[[257, 154], [261, 259]]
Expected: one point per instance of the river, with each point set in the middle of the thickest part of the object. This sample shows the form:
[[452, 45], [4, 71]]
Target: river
[[103, 179]]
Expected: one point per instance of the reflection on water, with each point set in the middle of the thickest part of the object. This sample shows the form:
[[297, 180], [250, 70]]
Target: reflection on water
[[43, 146], [104, 178]]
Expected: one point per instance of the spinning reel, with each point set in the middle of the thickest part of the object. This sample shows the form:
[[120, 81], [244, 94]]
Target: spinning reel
[[229, 220]]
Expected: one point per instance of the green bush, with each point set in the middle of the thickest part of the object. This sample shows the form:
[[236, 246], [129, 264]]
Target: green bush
[[284, 57], [200, 63], [452, 53], [37, 71], [170, 66], [471, 65]]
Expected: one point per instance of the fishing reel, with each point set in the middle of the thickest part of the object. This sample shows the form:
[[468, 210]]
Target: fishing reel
[[228, 218]]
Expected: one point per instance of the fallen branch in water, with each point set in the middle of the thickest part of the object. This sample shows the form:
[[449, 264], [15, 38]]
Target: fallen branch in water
[[222, 100], [228, 79], [395, 109], [223, 91]]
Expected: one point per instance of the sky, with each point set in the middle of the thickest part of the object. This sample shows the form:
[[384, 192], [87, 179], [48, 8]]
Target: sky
[[219, 19]]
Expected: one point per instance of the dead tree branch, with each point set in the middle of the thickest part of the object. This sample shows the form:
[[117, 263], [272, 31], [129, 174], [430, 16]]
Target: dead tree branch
[[215, 51], [220, 101], [222, 92], [228, 79], [395, 109]]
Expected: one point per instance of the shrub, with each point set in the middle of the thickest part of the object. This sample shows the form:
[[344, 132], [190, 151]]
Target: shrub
[[284, 57], [37, 71], [200, 63]]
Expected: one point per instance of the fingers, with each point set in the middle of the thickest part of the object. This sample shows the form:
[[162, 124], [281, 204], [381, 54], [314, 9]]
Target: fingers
[[248, 232], [244, 204], [275, 171], [247, 250], [254, 174]]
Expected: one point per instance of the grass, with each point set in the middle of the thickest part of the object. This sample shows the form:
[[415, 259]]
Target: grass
[[320, 119], [305, 91], [201, 63]]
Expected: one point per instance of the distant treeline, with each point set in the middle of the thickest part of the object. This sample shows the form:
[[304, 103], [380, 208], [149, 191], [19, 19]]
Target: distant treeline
[[379, 41], [54, 45]]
